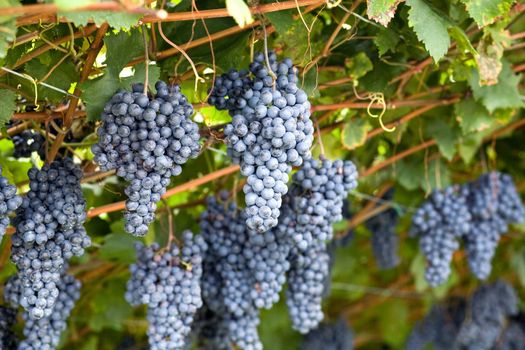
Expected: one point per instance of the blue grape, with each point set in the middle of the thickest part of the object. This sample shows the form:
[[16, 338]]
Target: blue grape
[[439, 222], [146, 139], [270, 132], [494, 203], [168, 282], [49, 232], [329, 336], [306, 288], [9, 202], [384, 238], [44, 333], [8, 338], [27, 142]]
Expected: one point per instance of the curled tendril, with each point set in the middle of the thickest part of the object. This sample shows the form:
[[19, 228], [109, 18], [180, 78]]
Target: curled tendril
[[374, 98]]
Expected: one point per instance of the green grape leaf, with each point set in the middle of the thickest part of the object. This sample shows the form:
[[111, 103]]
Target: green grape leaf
[[472, 116], [95, 94], [445, 135], [300, 43], [122, 48], [118, 247], [139, 75], [281, 20], [504, 94], [110, 309], [117, 20], [354, 133], [7, 27], [381, 11], [386, 40], [357, 66], [469, 146], [485, 12], [8, 103], [408, 173], [518, 264], [430, 27]]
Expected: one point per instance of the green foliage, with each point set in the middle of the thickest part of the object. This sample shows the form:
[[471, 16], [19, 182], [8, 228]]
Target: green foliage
[[382, 11], [354, 133], [430, 27], [7, 101], [462, 58], [7, 27], [486, 12], [504, 94], [114, 19]]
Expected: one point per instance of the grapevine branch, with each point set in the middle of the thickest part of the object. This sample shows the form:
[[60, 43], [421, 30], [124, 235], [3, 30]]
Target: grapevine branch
[[46, 13], [96, 46], [171, 192], [84, 32]]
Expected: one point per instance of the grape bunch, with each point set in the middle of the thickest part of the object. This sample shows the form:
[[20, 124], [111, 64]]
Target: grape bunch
[[243, 271], [8, 338], [494, 203], [329, 336], [513, 336], [27, 142], [477, 322], [306, 287], [315, 200], [44, 333], [146, 139], [168, 282], [9, 202], [384, 238], [49, 231], [440, 327], [489, 308], [439, 222], [270, 132]]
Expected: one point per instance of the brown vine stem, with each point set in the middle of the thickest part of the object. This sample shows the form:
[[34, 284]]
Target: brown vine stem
[[95, 48], [212, 37], [389, 105], [46, 13], [46, 47], [408, 117], [16, 129], [397, 157], [171, 192]]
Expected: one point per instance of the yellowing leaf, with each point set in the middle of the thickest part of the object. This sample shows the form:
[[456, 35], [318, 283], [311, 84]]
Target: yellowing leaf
[[485, 12], [354, 133], [239, 11], [472, 116], [358, 65], [381, 11]]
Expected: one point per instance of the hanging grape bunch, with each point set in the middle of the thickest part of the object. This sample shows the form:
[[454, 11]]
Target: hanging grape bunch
[[146, 139], [439, 222], [384, 238], [49, 231], [315, 200], [44, 333], [27, 142], [329, 336], [494, 203], [9, 202], [168, 282], [270, 132]]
